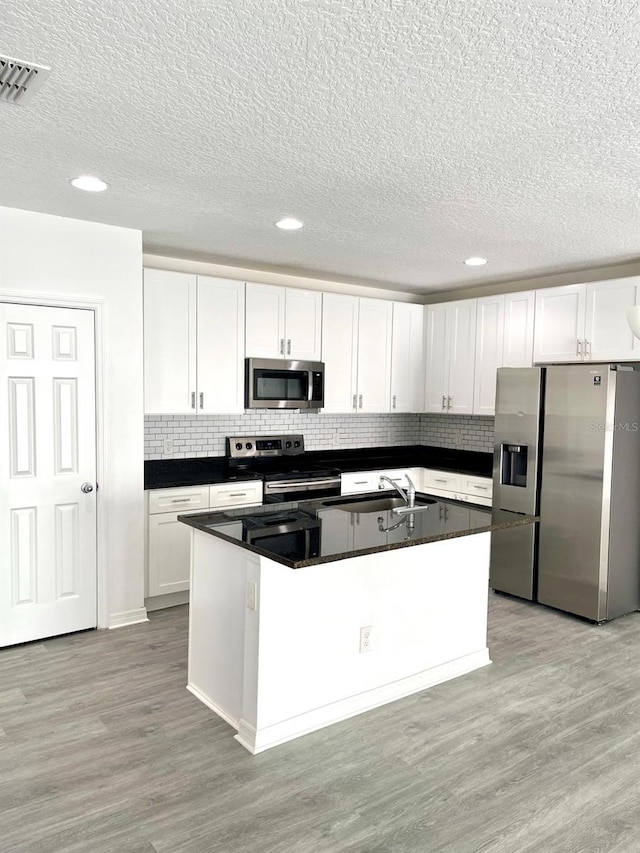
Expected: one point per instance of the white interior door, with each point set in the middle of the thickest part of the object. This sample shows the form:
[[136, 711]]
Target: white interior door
[[48, 440]]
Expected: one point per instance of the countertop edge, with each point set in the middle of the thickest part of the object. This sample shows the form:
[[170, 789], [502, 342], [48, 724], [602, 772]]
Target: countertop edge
[[191, 520]]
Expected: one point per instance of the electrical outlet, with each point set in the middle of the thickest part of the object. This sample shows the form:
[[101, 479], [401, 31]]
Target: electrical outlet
[[252, 595], [366, 638], [168, 445]]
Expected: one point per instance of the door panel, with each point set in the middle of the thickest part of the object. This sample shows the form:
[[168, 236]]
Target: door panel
[[339, 352], [47, 432], [303, 324], [519, 309], [437, 361], [489, 350], [559, 324], [265, 310], [220, 336], [407, 386], [607, 331], [374, 355], [462, 353]]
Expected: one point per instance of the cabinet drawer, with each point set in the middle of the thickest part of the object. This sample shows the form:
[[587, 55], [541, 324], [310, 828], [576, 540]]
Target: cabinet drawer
[[235, 494], [360, 481], [481, 487], [182, 499], [441, 481], [398, 475]]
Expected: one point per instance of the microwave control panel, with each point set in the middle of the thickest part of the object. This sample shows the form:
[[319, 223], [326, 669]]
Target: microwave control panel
[[256, 446]]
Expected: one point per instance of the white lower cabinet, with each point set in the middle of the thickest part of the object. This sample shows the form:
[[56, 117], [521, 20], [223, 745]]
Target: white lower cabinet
[[361, 481], [169, 540]]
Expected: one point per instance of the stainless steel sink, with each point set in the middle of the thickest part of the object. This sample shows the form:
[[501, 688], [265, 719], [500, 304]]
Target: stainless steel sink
[[380, 504]]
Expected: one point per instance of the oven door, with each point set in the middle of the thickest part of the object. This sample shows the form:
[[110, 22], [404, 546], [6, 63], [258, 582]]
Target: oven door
[[277, 491]]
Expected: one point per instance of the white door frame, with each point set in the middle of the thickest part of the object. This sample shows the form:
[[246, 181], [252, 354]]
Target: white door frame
[[97, 306]]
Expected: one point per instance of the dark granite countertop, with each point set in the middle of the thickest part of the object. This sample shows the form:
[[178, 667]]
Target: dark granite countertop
[[197, 471], [340, 534]]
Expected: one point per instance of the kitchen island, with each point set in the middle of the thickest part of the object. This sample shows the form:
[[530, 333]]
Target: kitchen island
[[307, 613]]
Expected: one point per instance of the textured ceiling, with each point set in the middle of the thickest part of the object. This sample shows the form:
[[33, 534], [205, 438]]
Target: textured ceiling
[[407, 134]]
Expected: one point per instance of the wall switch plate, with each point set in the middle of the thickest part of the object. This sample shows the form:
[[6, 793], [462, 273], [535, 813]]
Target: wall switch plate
[[252, 595], [168, 445], [366, 638]]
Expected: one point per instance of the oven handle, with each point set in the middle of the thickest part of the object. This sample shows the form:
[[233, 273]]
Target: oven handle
[[302, 484]]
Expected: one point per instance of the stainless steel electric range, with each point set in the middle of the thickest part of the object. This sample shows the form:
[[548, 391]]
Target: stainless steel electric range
[[280, 460]]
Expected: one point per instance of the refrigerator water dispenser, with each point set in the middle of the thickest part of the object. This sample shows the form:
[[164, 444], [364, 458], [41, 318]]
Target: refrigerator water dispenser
[[514, 465]]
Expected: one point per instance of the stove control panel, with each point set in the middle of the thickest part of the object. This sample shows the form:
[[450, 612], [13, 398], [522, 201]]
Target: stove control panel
[[256, 446]]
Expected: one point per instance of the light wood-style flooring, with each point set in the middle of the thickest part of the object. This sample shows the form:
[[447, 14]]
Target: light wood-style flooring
[[102, 750]]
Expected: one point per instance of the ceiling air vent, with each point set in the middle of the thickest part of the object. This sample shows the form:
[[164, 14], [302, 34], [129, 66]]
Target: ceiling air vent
[[19, 80]]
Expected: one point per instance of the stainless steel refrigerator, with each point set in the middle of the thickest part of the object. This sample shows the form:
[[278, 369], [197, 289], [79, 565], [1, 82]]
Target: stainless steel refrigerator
[[567, 448]]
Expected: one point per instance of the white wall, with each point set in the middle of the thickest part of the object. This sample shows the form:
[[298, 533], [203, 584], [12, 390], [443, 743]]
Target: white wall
[[56, 258]]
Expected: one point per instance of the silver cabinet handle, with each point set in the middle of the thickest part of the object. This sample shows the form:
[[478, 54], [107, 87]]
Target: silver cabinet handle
[[393, 401], [360, 482], [237, 494], [449, 403], [180, 500], [281, 346], [355, 405], [440, 481], [587, 347], [202, 400], [86, 488], [579, 349], [288, 346], [444, 400], [193, 399], [360, 400], [482, 488]]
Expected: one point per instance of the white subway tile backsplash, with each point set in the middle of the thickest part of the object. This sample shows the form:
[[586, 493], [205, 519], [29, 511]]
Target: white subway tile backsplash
[[205, 435]]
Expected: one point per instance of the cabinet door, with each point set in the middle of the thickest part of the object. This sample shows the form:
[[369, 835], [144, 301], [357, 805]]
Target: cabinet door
[[608, 336], [374, 355], [489, 353], [169, 342], [436, 361], [456, 518], [265, 312], [559, 324], [303, 324], [169, 554], [462, 356], [220, 345], [339, 352], [519, 309], [336, 531], [407, 381]]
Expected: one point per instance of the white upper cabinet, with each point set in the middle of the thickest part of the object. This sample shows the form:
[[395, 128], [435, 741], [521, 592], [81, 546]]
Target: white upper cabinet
[[436, 355], [586, 322], [169, 342], [490, 330], [607, 334], [559, 324], [220, 345], [283, 323], [407, 357], [356, 350], [193, 344], [450, 335], [340, 352], [519, 312], [374, 355]]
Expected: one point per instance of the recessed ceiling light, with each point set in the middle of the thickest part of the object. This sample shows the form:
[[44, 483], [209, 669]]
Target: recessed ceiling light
[[89, 184], [289, 223], [475, 262]]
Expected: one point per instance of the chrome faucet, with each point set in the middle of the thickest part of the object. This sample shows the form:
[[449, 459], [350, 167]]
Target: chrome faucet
[[409, 497]]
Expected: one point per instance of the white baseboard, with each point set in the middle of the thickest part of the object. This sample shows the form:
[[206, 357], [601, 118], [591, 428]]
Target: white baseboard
[[215, 708], [318, 718], [171, 599], [128, 617]]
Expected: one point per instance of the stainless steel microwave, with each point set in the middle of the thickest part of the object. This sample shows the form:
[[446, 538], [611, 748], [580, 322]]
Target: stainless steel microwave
[[273, 383]]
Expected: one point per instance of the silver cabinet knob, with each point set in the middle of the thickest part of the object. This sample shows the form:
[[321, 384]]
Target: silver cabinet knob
[[86, 488]]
